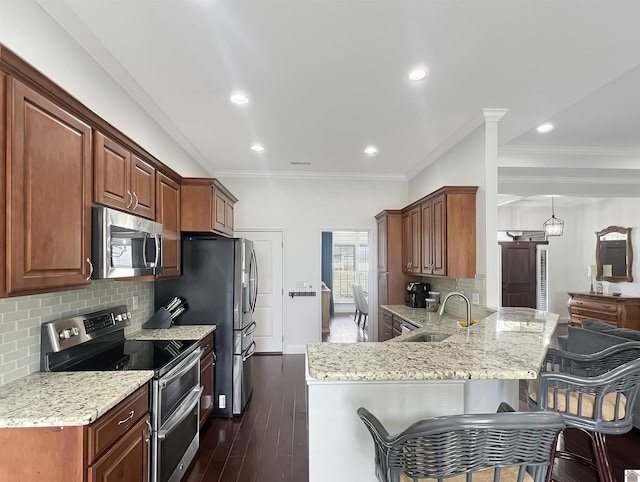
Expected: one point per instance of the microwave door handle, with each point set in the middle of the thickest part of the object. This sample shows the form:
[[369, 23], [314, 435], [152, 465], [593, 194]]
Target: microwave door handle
[[144, 251], [157, 241]]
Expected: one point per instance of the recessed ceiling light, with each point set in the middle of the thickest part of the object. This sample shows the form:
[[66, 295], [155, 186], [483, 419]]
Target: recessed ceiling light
[[239, 98], [418, 73], [257, 147], [371, 150], [544, 128]]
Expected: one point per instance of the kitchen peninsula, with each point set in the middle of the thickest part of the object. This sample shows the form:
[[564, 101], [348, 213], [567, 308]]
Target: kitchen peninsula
[[402, 381]]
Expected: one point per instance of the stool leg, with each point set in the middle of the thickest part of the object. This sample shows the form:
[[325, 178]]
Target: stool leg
[[602, 458]]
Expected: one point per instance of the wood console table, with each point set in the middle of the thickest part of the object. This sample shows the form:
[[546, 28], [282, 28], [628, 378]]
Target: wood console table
[[622, 311]]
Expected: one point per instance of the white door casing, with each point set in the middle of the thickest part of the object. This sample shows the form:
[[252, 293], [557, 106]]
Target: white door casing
[[269, 305]]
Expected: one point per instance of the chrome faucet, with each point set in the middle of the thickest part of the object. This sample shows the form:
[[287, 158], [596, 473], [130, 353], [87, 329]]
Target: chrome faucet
[[449, 295]]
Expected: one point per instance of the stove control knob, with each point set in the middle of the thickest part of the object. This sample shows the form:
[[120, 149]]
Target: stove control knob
[[75, 331], [64, 334], [119, 317], [128, 313]]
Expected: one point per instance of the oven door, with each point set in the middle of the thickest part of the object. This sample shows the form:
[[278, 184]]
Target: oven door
[[178, 439]]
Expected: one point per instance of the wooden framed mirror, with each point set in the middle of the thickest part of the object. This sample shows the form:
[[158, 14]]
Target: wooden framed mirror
[[614, 254]]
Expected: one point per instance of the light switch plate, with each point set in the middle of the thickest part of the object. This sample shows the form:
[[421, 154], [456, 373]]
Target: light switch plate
[[475, 298]]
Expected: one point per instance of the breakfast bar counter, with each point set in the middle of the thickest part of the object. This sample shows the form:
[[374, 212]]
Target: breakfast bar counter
[[401, 381]]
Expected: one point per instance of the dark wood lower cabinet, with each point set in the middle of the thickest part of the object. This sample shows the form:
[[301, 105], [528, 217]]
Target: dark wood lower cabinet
[[114, 448], [127, 460]]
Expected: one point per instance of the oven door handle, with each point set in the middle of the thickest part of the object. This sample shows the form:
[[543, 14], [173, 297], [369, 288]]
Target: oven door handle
[[188, 364], [179, 415]]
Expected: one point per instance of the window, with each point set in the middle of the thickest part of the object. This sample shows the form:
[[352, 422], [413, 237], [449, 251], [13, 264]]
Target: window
[[350, 263]]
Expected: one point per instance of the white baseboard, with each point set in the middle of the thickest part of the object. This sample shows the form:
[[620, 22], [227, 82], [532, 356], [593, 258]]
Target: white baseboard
[[295, 350]]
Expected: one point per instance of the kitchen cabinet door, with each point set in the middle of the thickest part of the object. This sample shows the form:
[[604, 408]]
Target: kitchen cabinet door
[[434, 236], [168, 213], [122, 180], [143, 187], [3, 180], [386, 325], [127, 460], [411, 240], [50, 197]]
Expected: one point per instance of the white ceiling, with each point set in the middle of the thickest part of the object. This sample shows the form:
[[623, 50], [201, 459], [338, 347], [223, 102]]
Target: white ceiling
[[328, 77]]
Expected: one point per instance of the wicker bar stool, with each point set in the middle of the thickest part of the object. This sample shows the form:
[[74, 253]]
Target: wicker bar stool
[[496, 447], [594, 393]]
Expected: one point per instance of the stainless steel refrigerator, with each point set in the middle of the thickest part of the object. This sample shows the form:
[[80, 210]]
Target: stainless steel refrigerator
[[219, 283]]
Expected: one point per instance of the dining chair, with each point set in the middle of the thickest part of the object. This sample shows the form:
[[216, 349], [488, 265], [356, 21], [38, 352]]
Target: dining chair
[[362, 305], [594, 393], [498, 447]]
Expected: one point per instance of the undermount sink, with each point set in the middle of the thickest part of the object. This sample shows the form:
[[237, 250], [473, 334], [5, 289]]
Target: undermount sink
[[433, 337]]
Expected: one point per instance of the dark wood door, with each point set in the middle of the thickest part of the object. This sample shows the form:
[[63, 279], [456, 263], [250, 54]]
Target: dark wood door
[[427, 238], [3, 181], [127, 460], [439, 232], [143, 188], [112, 173], [167, 193], [519, 274], [206, 380], [50, 199], [382, 243]]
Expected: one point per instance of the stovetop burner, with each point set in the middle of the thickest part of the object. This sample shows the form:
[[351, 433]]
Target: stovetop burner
[[95, 342]]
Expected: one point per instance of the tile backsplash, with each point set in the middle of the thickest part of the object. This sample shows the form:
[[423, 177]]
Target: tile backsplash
[[456, 306], [20, 318]]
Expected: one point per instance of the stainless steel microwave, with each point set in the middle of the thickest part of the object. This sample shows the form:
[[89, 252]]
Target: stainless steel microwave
[[124, 245]]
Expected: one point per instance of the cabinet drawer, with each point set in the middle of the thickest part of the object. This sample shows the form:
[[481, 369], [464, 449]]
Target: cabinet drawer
[[206, 345], [108, 429], [598, 315], [387, 318], [594, 305], [578, 319]]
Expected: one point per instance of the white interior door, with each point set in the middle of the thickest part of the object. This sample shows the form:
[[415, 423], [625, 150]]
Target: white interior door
[[268, 313]]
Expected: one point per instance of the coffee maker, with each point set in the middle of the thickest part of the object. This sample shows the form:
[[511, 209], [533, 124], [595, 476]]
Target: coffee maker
[[417, 294]]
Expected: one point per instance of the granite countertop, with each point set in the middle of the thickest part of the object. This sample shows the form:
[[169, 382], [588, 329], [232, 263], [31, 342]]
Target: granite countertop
[[509, 344], [46, 399], [175, 332]]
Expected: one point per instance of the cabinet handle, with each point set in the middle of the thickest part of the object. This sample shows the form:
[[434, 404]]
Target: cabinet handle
[[131, 413], [606, 307], [136, 204], [90, 269], [130, 199], [148, 437]]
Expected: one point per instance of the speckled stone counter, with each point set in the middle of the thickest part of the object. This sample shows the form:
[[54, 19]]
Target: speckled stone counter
[[472, 371], [66, 398], [175, 332], [509, 344]]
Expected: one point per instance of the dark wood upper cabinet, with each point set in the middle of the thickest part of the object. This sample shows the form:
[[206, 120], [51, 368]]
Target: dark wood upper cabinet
[[3, 181], [49, 165], [444, 231], [168, 213], [206, 206], [122, 180]]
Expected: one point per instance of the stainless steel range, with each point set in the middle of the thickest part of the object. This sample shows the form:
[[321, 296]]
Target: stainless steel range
[[96, 342]]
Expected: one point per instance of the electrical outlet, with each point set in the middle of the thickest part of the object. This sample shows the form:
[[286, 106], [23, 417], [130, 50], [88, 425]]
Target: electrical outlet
[[301, 284], [134, 303], [476, 298], [222, 401]]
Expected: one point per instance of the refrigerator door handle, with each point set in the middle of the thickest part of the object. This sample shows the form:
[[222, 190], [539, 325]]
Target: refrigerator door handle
[[253, 277], [250, 329], [250, 351]]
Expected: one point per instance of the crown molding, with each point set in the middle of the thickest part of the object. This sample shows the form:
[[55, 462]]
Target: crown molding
[[351, 176], [569, 180], [494, 115], [576, 151], [66, 18]]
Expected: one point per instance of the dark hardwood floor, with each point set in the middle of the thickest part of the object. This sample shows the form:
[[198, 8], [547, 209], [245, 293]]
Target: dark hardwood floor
[[268, 443], [342, 329]]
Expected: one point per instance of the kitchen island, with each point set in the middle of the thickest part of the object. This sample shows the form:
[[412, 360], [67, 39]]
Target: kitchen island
[[401, 381]]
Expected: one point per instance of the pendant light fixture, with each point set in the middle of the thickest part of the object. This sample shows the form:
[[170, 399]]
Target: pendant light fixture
[[553, 226]]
